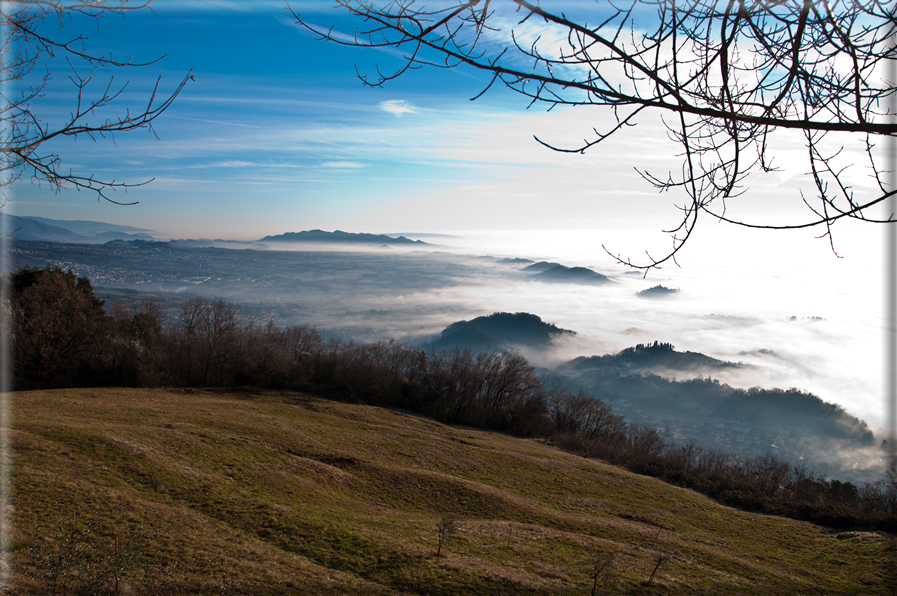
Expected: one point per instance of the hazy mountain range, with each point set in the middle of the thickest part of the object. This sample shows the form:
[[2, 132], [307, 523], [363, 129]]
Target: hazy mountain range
[[339, 237], [74, 231], [93, 232]]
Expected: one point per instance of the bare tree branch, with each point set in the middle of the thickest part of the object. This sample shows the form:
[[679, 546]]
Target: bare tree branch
[[732, 72], [28, 49]]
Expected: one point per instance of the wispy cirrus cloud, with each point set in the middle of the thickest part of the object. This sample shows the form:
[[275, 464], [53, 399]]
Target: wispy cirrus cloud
[[341, 164], [398, 107], [232, 163]]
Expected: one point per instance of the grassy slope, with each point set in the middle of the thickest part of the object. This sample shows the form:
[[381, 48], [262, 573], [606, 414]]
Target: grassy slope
[[283, 493]]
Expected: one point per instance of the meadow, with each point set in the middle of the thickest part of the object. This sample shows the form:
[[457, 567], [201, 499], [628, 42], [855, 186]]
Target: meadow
[[150, 491]]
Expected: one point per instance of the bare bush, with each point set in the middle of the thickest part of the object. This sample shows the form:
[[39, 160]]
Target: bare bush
[[660, 559], [446, 529], [605, 578]]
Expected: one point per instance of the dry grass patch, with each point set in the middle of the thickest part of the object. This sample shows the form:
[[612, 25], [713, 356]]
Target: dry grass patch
[[278, 493]]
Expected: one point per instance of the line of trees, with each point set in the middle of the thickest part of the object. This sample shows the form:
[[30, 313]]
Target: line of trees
[[63, 337]]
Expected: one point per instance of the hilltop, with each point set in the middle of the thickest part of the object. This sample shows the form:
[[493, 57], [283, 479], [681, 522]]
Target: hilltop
[[658, 291], [573, 275], [657, 357], [274, 493], [499, 331]]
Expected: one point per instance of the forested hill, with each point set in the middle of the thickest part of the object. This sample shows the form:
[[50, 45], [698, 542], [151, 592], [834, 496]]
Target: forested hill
[[808, 416], [639, 382], [657, 357], [499, 332]]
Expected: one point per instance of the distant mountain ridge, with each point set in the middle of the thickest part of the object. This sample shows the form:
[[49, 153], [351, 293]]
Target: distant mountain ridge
[[74, 231], [340, 237], [80, 226]]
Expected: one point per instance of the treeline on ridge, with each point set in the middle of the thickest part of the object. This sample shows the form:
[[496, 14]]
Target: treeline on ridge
[[64, 337]]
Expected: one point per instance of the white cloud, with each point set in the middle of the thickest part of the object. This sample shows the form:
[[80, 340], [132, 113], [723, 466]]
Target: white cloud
[[217, 5], [232, 163], [341, 164], [398, 107]]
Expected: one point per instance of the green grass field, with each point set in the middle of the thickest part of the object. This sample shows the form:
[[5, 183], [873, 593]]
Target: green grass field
[[191, 492]]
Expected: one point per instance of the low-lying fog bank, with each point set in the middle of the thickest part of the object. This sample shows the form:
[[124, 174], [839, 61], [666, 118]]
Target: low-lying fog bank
[[805, 320]]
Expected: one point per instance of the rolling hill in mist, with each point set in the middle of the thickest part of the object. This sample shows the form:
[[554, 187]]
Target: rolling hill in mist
[[571, 275], [498, 332], [282, 493], [658, 291], [640, 383], [657, 358], [540, 267]]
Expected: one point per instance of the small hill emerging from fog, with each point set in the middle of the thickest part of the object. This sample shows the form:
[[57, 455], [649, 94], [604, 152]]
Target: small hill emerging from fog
[[571, 275], [657, 292], [339, 237], [499, 332], [657, 357], [540, 267]]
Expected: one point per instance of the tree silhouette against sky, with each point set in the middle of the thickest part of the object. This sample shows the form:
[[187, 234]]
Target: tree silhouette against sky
[[34, 35]]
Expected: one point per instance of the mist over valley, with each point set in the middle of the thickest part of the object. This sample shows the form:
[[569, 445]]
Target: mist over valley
[[586, 328]]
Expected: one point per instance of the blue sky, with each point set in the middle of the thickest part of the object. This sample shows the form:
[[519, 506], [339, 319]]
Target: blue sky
[[276, 133], [276, 130]]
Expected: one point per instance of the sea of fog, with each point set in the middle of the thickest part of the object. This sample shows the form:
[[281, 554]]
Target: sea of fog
[[806, 316]]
